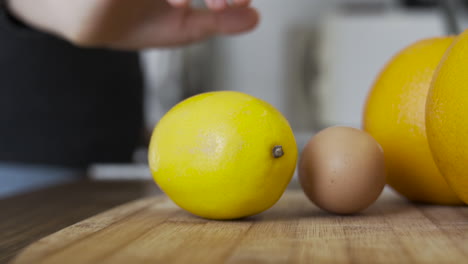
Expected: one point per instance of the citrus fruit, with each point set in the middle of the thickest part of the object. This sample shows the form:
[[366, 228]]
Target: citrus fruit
[[447, 116], [394, 115], [223, 155]]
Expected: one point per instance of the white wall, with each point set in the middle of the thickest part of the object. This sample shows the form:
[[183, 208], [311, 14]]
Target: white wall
[[267, 63], [353, 50]]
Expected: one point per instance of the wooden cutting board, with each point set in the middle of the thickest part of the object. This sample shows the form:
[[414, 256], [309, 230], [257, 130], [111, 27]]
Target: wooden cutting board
[[154, 230]]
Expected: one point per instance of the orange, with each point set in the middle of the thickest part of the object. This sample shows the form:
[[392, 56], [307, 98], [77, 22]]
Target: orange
[[394, 115], [447, 116]]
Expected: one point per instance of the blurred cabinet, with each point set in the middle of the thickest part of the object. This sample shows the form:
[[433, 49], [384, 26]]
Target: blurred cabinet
[[353, 48]]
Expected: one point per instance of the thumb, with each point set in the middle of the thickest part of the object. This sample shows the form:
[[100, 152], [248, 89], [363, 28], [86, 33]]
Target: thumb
[[185, 25], [201, 24], [236, 20]]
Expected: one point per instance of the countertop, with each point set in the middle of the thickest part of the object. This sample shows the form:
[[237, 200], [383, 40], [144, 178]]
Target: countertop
[[28, 217], [392, 230]]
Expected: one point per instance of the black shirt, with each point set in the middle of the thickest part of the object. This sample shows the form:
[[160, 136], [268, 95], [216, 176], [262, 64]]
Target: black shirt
[[64, 105]]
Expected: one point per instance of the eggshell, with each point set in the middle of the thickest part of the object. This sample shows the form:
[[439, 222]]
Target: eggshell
[[342, 170]]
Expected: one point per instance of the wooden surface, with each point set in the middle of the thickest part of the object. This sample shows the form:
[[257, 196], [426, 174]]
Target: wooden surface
[[28, 217], [154, 230]]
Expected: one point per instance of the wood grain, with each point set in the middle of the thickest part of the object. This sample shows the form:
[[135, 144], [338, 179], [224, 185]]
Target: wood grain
[[154, 230], [28, 217]]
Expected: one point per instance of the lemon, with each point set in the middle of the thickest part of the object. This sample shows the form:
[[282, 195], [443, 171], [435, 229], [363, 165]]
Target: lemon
[[394, 115], [223, 155], [447, 116]]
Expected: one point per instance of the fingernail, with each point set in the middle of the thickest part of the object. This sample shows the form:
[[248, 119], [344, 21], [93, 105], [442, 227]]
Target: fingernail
[[241, 2], [218, 4], [177, 2]]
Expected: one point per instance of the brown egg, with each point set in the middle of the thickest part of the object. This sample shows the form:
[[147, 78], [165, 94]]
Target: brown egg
[[342, 170]]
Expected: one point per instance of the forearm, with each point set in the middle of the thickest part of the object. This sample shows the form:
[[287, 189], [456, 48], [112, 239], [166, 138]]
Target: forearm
[[10, 24], [131, 25], [47, 16], [28, 12]]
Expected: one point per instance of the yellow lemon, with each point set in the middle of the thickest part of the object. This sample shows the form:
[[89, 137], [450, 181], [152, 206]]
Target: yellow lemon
[[447, 116], [394, 115], [223, 155]]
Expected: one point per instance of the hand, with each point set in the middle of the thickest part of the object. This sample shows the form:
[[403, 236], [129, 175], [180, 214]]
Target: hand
[[134, 24]]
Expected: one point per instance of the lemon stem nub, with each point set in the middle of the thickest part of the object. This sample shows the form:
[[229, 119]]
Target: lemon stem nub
[[278, 152]]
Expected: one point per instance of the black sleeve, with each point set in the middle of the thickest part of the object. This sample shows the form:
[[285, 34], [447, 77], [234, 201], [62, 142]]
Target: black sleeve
[[65, 105]]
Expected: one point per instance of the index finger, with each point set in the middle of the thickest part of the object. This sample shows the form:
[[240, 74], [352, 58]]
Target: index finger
[[179, 3], [218, 5]]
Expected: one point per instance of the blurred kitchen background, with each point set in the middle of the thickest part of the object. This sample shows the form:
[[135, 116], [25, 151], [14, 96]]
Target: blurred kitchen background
[[314, 60]]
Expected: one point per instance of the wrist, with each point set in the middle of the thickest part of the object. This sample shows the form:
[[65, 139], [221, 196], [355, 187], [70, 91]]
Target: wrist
[[12, 13], [25, 13], [13, 19]]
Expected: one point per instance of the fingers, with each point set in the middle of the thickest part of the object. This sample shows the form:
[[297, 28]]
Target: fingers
[[179, 3], [215, 5], [201, 24], [236, 20], [241, 2], [218, 5], [185, 25]]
